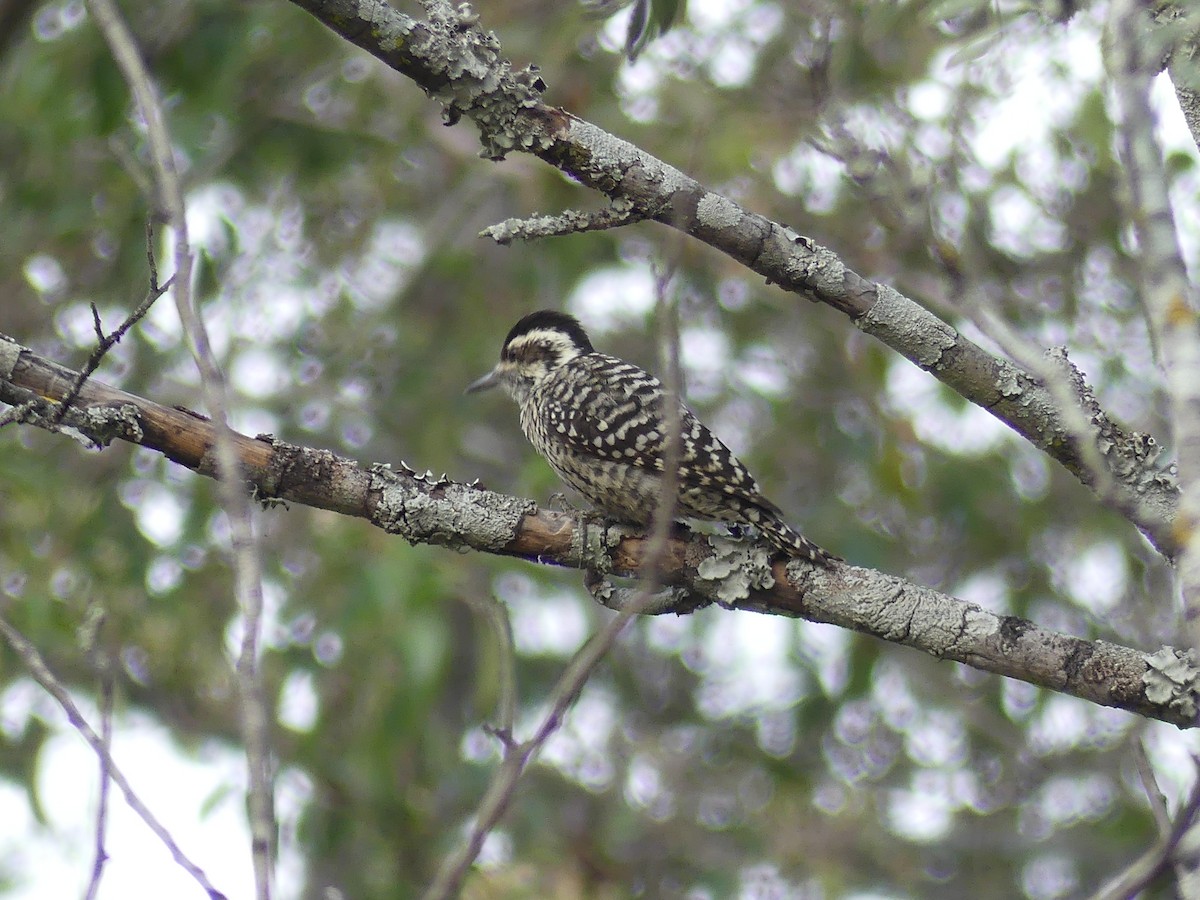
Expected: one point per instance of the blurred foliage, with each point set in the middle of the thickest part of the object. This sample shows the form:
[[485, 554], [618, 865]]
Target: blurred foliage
[[959, 150]]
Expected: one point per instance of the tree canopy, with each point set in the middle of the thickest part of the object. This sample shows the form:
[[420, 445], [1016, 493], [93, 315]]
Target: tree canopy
[[924, 268]]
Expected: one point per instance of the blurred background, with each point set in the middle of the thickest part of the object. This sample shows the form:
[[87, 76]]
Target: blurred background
[[962, 152]]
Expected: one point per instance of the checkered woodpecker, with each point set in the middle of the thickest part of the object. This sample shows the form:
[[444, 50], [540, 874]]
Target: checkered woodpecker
[[600, 424]]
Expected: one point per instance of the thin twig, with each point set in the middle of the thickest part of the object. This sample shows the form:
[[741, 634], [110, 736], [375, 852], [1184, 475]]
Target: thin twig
[[498, 797], [1143, 870], [497, 617], [106, 710], [51, 685], [247, 569], [1158, 804], [499, 794], [1166, 292], [105, 342], [1079, 423]]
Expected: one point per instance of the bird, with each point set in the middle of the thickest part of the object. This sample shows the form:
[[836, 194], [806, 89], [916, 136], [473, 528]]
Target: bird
[[601, 424]]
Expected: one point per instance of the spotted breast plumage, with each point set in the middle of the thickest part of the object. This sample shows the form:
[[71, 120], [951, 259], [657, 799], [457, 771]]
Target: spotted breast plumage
[[601, 423]]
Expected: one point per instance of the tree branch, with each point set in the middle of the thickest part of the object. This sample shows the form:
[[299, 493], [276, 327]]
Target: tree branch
[[460, 65], [246, 565], [105, 342], [1136, 877], [448, 881], [43, 676], [424, 509], [1166, 292]]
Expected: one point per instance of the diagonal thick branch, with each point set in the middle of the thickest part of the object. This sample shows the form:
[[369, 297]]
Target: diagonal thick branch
[[460, 65], [735, 574]]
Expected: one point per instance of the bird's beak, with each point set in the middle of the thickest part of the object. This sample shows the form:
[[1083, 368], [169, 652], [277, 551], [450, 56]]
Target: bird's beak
[[490, 380]]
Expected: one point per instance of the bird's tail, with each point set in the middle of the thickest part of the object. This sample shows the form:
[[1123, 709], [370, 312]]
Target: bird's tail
[[792, 542]]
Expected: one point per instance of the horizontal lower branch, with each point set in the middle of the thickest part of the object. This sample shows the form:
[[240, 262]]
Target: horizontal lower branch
[[735, 574]]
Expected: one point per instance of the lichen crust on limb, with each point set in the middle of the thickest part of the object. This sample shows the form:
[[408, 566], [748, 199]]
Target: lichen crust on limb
[[425, 510]]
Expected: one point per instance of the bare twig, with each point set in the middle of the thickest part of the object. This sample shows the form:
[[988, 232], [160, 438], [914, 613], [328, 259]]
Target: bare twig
[[105, 342], [247, 569], [101, 855], [1133, 454], [499, 794], [1143, 870], [497, 617], [1158, 804], [51, 685], [1166, 292]]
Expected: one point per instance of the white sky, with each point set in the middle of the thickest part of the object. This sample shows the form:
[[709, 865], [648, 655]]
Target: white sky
[[198, 797]]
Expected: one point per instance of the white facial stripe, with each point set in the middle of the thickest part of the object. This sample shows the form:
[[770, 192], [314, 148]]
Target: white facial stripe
[[543, 336], [556, 341]]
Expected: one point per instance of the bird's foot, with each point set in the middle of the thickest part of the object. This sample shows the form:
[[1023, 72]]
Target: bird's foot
[[559, 503]]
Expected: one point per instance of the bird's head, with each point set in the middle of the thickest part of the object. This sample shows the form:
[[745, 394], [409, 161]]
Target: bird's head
[[536, 346]]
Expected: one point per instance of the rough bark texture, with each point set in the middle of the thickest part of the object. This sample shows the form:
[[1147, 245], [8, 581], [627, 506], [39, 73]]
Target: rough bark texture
[[434, 510]]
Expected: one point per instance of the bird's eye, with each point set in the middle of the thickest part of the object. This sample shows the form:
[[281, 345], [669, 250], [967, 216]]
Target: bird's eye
[[531, 353]]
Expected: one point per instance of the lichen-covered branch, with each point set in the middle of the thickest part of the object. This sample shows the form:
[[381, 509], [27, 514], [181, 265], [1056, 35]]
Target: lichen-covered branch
[[736, 574], [458, 63], [571, 221]]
